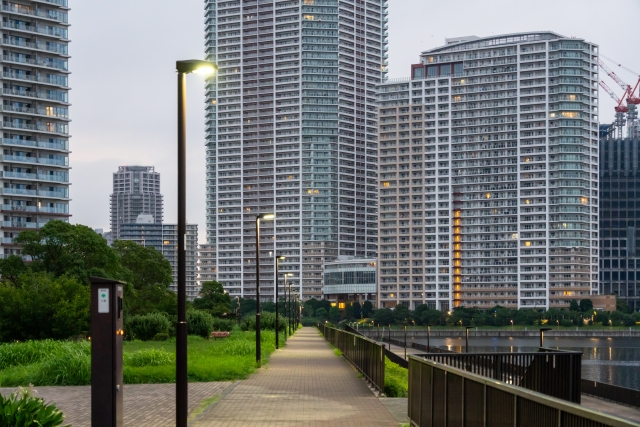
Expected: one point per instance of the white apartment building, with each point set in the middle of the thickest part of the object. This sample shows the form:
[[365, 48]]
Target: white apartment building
[[35, 116], [136, 191], [489, 175], [292, 129]]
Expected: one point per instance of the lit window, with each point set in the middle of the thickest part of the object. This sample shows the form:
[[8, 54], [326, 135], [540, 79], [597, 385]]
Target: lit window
[[527, 243], [572, 97], [166, 242], [385, 184], [333, 304], [341, 305], [309, 17]]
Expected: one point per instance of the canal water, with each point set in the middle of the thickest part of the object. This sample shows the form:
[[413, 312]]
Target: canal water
[[607, 360]]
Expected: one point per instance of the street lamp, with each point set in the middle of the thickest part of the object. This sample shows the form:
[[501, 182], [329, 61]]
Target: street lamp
[[429, 338], [182, 397], [466, 344], [542, 331], [278, 259], [286, 304], [266, 217], [512, 326]]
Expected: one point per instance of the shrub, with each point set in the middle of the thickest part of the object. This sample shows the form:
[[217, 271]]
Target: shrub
[[566, 323], [161, 337], [146, 327], [22, 409], [628, 320], [396, 379], [604, 319], [149, 357], [223, 324], [267, 322], [28, 352], [199, 323]]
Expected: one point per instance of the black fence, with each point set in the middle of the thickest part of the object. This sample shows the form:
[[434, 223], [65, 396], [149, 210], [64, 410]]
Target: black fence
[[556, 374], [626, 396], [366, 355], [441, 395]]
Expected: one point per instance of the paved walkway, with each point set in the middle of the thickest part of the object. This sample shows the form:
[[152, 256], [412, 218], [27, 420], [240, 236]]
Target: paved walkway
[[145, 405], [305, 384]]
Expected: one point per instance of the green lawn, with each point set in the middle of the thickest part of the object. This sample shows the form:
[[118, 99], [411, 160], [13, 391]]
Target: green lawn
[[65, 363]]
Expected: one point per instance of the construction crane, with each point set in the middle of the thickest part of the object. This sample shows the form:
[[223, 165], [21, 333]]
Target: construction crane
[[632, 99], [621, 109]]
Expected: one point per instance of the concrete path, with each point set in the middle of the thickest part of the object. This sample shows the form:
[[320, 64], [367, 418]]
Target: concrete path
[[145, 405], [304, 384]]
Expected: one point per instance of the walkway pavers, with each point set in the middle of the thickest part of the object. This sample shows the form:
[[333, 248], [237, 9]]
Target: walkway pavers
[[304, 384], [145, 405]]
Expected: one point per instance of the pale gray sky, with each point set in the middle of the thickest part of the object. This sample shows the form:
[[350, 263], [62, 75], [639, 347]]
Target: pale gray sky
[[124, 82]]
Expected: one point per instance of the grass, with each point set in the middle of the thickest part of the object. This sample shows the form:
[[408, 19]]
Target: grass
[[396, 379], [47, 362], [337, 352], [203, 405]]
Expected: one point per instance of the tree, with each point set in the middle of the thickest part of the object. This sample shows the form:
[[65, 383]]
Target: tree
[[213, 299], [41, 306], [334, 314], [401, 313], [11, 268], [367, 309], [586, 305], [573, 305], [148, 276], [383, 317], [621, 305], [309, 307], [322, 314], [353, 311], [73, 250]]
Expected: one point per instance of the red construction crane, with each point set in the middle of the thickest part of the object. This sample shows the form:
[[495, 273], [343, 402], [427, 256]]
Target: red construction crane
[[619, 108], [629, 93]]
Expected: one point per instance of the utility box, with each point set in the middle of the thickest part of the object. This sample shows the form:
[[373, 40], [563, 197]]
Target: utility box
[[106, 352]]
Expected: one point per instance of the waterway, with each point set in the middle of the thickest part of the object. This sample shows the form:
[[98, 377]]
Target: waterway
[[607, 360]]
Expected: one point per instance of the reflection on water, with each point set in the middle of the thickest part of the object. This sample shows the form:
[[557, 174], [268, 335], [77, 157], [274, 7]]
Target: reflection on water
[[606, 360]]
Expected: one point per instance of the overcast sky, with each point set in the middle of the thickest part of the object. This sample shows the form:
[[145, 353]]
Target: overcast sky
[[124, 83]]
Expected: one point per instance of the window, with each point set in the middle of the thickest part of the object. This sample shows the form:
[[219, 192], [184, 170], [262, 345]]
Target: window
[[432, 71], [445, 70]]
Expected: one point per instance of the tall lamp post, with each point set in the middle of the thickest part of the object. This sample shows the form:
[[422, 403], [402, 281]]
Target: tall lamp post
[[278, 259], [286, 304], [182, 398], [466, 334], [266, 217], [542, 331]]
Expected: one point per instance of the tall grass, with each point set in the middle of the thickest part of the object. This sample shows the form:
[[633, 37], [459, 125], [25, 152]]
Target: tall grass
[[69, 363], [396, 379]]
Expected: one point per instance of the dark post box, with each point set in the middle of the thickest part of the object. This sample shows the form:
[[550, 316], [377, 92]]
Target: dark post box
[[106, 352]]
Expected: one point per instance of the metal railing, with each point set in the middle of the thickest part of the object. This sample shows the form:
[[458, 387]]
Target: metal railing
[[614, 393], [556, 374], [441, 395], [366, 355]]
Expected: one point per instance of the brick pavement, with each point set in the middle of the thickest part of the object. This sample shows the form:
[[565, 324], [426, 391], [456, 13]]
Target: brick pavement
[[304, 384], [145, 405]]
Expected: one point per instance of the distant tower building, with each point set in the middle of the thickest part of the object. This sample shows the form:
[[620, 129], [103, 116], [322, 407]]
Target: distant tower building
[[620, 218], [489, 175], [35, 117], [136, 190], [292, 129], [164, 238]]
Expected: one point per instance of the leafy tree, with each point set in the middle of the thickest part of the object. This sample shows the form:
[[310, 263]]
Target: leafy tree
[[367, 309], [383, 317], [213, 299], [401, 313], [148, 276], [586, 305], [73, 250], [353, 311], [621, 305], [41, 306], [12, 267], [573, 306], [309, 307], [334, 314], [322, 314], [269, 307]]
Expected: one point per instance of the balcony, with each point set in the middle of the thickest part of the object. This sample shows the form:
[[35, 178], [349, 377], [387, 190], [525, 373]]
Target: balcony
[[59, 129], [35, 177], [32, 160], [35, 94], [38, 62], [62, 50], [62, 145], [58, 81], [35, 209], [57, 32], [56, 16]]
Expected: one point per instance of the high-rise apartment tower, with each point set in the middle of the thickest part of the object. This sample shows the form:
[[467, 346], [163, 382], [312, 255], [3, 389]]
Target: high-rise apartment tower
[[35, 116], [292, 129], [136, 191], [489, 175]]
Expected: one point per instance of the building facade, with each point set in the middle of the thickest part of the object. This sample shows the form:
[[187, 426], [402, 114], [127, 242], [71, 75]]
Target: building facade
[[136, 191], [489, 175], [620, 218], [35, 116], [292, 129], [164, 238], [206, 264], [348, 280]]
